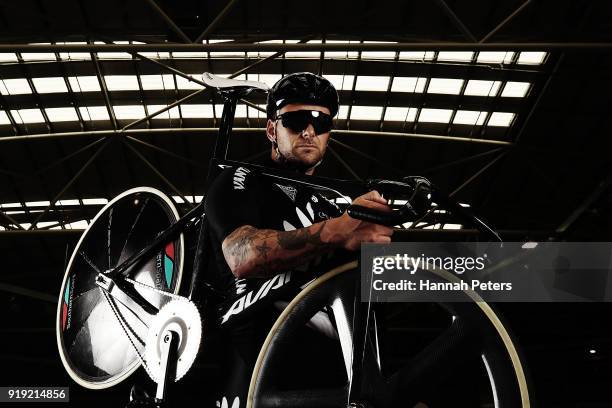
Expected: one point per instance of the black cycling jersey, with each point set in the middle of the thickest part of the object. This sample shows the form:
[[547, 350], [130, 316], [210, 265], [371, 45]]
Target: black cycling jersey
[[243, 196]]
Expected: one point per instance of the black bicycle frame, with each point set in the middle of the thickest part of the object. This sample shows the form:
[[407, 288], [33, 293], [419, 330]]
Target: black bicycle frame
[[192, 217]]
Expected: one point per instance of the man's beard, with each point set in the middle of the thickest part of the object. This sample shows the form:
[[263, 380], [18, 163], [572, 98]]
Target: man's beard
[[294, 163]]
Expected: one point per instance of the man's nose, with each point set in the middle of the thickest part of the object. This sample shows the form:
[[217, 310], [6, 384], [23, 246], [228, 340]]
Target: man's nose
[[309, 132]]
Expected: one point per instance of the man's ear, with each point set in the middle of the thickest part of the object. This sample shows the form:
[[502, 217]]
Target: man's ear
[[271, 131]]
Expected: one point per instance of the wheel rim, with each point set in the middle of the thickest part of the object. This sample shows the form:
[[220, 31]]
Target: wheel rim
[[92, 344], [489, 363]]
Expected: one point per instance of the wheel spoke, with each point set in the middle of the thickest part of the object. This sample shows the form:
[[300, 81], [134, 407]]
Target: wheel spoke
[[341, 318], [129, 234]]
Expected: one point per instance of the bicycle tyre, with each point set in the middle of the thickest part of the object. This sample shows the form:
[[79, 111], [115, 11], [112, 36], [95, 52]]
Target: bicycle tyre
[[497, 364], [93, 347]]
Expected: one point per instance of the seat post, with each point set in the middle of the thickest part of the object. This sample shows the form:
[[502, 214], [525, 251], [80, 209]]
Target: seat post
[[225, 128]]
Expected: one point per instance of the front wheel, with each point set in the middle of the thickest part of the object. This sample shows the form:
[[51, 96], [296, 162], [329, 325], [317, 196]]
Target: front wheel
[[415, 354], [100, 341]]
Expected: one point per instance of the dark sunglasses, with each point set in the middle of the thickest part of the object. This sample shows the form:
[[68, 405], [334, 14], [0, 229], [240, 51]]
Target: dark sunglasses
[[299, 120]]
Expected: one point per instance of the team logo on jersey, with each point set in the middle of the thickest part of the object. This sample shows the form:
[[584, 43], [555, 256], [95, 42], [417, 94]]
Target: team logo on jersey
[[253, 296], [290, 191], [239, 177]]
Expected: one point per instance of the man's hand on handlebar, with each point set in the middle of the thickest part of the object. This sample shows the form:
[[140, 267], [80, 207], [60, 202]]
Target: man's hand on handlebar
[[349, 233]]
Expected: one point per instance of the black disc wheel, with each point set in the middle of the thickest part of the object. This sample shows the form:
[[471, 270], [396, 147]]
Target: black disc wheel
[[414, 354], [100, 339]]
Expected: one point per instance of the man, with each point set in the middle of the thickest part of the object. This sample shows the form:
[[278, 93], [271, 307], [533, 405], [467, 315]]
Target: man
[[262, 227]]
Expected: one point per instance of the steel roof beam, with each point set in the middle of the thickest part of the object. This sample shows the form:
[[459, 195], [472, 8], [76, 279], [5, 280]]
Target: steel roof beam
[[369, 98], [456, 20], [169, 21], [312, 47], [213, 131], [69, 184], [190, 78], [102, 83], [211, 27], [333, 66], [504, 22]]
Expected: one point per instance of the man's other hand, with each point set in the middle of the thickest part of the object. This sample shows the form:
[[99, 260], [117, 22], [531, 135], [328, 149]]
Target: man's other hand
[[349, 233]]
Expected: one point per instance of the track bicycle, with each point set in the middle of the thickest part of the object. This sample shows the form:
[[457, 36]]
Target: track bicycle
[[126, 301]]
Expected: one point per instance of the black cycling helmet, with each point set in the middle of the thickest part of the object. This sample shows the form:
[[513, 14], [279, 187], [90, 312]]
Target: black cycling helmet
[[302, 87]]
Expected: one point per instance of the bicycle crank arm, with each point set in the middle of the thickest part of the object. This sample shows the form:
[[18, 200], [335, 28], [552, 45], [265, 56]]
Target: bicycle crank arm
[[139, 306]]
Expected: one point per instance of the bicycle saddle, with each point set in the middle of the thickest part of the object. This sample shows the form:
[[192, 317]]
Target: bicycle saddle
[[227, 84]]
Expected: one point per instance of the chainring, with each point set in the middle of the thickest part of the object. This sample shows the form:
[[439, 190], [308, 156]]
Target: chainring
[[182, 316]]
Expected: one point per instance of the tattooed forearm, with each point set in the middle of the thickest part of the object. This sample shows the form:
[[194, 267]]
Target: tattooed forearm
[[300, 238], [251, 252]]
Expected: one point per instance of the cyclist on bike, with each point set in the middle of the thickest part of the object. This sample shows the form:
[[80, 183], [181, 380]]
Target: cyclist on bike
[[263, 228]]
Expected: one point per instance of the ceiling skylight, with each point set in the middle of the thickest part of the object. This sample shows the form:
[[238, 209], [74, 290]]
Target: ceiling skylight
[[17, 86], [501, 119], [417, 55], [305, 54], [183, 83], [60, 203], [395, 114], [254, 113], [269, 79], [372, 83], [342, 112], [378, 54], [515, 89], [61, 114], [8, 57], [87, 83], [114, 55], [4, 120], [95, 201], [341, 54], [341, 82], [464, 117], [408, 84], [445, 86], [227, 54], [198, 55], [459, 56], [172, 113], [129, 111], [531, 57], [366, 112], [121, 82], [482, 88], [495, 57], [157, 82], [435, 115], [198, 111], [74, 56], [156, 55], [38, 56], [94, 112], [27, 116], [241, 111], [50, 85]]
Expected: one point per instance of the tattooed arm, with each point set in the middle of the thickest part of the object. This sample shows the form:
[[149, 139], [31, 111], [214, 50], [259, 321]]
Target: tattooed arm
[[252, 252]]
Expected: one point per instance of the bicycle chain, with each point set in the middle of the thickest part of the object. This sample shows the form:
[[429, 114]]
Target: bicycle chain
[[125, 325], [154, 289]]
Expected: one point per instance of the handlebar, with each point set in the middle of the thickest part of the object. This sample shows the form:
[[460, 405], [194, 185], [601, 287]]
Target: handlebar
[[419, 195]]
